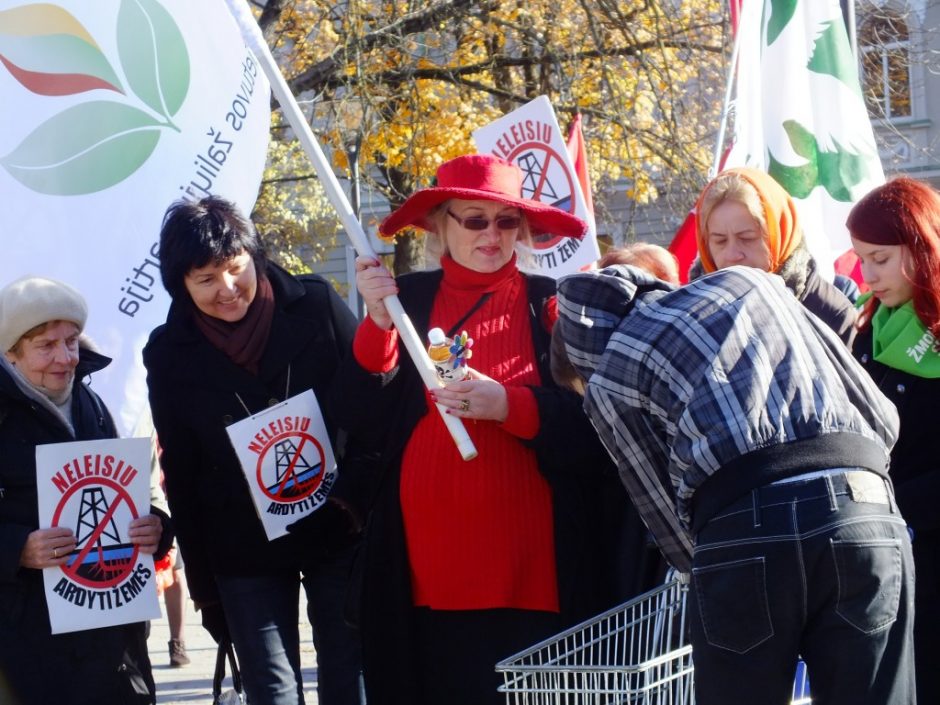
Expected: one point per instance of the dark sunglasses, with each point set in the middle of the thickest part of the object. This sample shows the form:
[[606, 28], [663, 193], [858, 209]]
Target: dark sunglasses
[[476, 222]]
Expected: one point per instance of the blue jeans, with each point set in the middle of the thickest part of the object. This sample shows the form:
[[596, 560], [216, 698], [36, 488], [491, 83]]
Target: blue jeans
[[262, 613], [820, 568]]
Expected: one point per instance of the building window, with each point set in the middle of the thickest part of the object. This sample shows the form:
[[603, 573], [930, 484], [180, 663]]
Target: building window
[[884, 45]]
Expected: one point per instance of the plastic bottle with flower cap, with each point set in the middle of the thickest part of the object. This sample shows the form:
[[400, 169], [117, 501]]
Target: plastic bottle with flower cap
[[449, 355]]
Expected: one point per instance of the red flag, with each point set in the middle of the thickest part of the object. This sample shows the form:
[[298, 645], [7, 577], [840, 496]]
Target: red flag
[[848, 264], [579, 158], [684, 246], [735, 6]]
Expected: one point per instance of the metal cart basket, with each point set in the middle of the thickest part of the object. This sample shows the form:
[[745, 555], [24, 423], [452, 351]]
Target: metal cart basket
[[634, 654]]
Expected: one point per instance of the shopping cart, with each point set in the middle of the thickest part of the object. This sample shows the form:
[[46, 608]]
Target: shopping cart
[[634, 654]]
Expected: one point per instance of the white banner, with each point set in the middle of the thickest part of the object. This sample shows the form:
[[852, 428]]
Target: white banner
[[799, 115], [287, 458], [530, 137], [112, 110], [96, 488]]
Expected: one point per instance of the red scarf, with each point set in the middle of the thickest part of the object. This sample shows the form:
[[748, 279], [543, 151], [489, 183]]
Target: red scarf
[[243, 341]]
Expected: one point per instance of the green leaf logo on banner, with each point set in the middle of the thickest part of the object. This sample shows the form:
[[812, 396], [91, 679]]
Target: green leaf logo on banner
[[94, 145], [832, 56], [781, 12], [86, 148], [838, 172], [153, 55], [51, 53]]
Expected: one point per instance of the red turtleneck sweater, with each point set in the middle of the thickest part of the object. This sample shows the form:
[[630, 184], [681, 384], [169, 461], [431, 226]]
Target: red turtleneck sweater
[[479, 533]]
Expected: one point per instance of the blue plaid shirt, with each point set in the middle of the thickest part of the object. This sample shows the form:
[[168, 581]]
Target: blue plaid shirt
[[683, 381]]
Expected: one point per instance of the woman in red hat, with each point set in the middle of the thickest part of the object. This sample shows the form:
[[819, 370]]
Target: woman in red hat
[[895, 231], [468, 562]]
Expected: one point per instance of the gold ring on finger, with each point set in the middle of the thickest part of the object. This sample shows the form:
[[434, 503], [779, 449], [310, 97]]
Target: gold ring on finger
[[465, 405], [55, 553]]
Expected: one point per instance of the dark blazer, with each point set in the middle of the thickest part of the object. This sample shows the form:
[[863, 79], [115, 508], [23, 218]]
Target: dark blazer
[[39, 667], [829, 304], [570, 456], [915, 458], [915, 472], [196, 391]]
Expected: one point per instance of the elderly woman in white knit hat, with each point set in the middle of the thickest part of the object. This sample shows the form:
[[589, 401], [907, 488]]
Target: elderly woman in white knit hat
[[43, 400]]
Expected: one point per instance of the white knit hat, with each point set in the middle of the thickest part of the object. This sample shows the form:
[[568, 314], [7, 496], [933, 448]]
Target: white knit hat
[[30, 301]]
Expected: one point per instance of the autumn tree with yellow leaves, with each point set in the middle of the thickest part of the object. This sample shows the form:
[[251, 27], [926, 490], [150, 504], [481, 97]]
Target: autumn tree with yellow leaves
[[407, 82]]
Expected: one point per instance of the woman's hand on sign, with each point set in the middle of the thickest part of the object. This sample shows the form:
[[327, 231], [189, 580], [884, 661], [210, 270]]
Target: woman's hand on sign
[[47, 548], [374, 283], [146, 531]]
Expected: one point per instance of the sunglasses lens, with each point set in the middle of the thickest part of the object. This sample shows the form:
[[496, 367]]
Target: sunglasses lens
[[475, 223], [508, 222]]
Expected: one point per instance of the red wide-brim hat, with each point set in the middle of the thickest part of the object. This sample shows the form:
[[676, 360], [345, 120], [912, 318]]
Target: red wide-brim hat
[[481, 177]]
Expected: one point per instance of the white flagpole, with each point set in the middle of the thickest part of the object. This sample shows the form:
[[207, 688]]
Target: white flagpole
[[255, 41], [723, 122]]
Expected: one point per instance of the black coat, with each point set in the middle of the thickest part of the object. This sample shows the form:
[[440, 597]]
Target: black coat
[[915, 472], [39, 667], [569, 455], [915, 458], [829, 304], [196, 391]]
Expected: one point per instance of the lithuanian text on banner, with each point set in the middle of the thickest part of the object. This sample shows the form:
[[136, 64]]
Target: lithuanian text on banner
[[112, 111]]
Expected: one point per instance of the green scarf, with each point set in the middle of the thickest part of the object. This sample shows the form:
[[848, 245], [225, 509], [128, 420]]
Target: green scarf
[[902, 342]]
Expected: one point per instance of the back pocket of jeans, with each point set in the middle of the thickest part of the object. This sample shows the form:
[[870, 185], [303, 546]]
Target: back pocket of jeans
[[869, 574], [732, 600]]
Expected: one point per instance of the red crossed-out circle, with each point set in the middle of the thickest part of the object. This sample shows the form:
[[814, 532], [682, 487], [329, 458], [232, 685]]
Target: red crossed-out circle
[[120, 495], [547, 241], [307, 488]]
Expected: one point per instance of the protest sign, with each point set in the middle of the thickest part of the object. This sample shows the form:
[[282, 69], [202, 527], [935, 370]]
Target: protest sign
[[96, 488], [288, 460], [530, 137]]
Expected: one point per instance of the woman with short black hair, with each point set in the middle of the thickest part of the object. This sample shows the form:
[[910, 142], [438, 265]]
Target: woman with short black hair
[[242, 334]]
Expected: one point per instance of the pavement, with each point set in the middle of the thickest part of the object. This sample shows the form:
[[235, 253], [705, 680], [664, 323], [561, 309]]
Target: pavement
[[192, 684]]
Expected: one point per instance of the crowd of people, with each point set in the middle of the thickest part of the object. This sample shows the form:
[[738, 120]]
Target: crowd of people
[[754, 429]]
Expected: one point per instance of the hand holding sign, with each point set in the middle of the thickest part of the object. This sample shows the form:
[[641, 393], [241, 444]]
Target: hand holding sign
[[47, 548], [146, 531]]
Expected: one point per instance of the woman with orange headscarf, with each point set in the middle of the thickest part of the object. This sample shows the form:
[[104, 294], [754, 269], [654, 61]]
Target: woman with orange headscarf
[[747, 218]]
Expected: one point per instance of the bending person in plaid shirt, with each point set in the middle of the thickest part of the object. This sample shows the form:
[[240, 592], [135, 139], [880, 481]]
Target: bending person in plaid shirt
[[756, 450]]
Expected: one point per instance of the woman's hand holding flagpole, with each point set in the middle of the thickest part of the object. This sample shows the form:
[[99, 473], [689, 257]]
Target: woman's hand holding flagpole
[[416, 349]]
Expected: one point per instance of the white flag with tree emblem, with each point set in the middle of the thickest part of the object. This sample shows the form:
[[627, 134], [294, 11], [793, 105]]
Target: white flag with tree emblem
[[111, 111], [799, 115]]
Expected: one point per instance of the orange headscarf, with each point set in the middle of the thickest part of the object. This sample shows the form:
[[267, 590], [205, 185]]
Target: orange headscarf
[[783, 225]]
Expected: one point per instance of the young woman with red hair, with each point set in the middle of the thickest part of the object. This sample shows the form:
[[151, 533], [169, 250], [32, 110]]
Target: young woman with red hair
[[895, 231]]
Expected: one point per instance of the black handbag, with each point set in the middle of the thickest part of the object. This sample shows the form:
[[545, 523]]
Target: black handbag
[[235, 694]]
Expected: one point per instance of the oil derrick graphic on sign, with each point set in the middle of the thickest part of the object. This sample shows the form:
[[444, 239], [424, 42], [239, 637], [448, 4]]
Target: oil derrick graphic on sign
[[108, 556], [294, 472], [537, 186]]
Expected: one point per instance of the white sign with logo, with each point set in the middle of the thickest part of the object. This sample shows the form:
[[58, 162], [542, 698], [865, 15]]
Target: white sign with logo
[[530, 137], [287, 458], [112, 111], [96, 488]]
